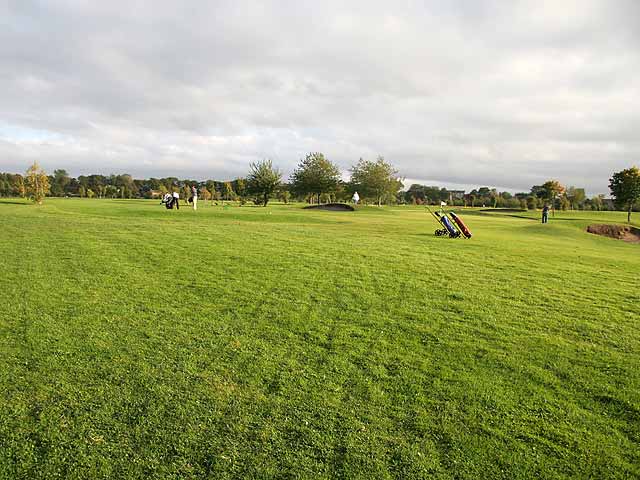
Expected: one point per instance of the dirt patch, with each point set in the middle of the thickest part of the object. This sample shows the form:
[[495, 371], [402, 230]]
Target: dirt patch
[[626, 233], [334, 207]]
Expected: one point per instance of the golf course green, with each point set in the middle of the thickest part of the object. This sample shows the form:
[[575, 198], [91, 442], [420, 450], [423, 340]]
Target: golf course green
[[278, 342]]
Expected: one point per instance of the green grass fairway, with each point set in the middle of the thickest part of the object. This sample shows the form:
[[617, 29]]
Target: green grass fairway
[[250, 342]]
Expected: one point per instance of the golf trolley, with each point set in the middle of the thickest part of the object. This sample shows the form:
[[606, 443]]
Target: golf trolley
[[449, 228], [168, 201]]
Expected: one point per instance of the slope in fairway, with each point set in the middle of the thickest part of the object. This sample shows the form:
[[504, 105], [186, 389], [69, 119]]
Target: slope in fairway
[[137, 342]]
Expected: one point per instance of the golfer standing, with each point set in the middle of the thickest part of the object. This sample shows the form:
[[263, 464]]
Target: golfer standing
[[545, 213], [194, 195], [176, 199]]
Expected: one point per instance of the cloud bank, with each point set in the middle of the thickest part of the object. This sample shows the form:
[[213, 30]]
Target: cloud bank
[[462, 93]]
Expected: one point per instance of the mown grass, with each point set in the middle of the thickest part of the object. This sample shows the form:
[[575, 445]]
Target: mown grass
[[137, 342]]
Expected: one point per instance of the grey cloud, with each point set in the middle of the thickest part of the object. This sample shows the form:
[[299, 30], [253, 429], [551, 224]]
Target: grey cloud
[[487, 92]]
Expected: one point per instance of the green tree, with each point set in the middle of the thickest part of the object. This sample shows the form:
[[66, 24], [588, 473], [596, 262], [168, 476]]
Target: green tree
[[37, 183], [241, 190], [211, 186], [596, 202], [263, 180], [185, 192], [284, 195], [241, 186], [82, 191], [204, 193], [110, 191], [576, 197], [20, 186], [315, 175], [552, 189], [376, 180], [61, 180], [625, 188], [125, 185], [227, 191]]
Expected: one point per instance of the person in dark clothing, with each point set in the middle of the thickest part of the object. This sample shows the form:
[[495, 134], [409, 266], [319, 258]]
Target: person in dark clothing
[[545, 213]]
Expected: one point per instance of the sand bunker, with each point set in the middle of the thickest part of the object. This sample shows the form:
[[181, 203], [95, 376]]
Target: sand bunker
[[626, 233], [334, 207]]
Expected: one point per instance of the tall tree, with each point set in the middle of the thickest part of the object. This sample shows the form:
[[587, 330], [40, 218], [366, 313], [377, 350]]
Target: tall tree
[[204, 193], [625, 188], [284, 195], [185, 192], [227, 191], [597, 202], [376, 180], [37, 183], [125, 185], [211, 186], [97, 184], [538, 191], [110, 191], [315, 175], [20, 187], [263, 180], [241, 188], [60, 181], [552, 189], [576, 197]]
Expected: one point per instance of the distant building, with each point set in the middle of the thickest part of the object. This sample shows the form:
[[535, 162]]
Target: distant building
[[456, 195]]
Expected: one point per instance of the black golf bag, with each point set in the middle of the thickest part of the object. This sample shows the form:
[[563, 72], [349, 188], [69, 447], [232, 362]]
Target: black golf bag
[[168, 201]]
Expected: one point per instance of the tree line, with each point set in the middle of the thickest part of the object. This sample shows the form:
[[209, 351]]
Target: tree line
[[315, 179], [318, 180], [572, 198]]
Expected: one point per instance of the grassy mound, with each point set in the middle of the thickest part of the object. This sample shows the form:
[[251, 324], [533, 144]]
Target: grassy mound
[[333, 207]]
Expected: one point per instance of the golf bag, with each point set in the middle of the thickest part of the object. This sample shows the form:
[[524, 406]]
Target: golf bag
[[168, 201], [451, 229], [448, 227], [461, 226]]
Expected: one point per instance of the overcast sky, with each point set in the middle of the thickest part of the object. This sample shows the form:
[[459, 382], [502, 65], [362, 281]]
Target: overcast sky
[[457, 93]]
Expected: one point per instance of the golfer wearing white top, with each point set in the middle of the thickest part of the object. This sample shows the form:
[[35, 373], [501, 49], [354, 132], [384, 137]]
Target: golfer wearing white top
[[194, 195]]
